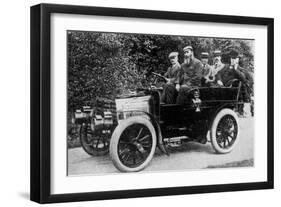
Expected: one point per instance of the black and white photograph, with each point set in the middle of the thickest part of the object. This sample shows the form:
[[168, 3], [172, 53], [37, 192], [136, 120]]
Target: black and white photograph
[[129, 103], [158, 103]]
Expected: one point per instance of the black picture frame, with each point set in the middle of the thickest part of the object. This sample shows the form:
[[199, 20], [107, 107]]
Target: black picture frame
[[41, 96]]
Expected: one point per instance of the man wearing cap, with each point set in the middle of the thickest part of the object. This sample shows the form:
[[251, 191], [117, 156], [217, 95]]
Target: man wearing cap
[[207, 71], [190, 75], [170, 93]]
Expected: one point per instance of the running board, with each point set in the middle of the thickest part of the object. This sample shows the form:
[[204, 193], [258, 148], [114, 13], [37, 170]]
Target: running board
[[175, 139]]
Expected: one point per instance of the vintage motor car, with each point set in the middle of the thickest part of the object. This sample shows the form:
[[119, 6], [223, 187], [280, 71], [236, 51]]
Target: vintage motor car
[[138, 123]]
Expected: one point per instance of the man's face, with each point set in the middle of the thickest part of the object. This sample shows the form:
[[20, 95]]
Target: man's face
[[174, 60], [204, 60], [187, 56], [234, 61], [187, 53], [217, 59]]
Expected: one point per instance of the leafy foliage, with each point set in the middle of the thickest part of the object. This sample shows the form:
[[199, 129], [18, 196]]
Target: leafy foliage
[[106, 64]]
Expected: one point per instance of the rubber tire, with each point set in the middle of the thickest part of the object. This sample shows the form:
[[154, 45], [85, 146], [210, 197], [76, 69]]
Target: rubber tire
[[216, 120], [113, 147], [92, 152]]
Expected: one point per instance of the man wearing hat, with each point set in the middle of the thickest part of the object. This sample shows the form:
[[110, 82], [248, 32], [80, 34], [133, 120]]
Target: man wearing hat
[[190, 75], [170, 93], [245, 108], [207, 71], [234, 71], [218, 65]]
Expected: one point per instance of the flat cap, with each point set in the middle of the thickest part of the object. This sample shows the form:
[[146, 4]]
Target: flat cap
[[189, 47], [217, 53], [173, 54], [204, 55]]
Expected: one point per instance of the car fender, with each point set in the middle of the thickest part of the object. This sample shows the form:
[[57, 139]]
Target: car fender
[[216, 111], [159, 136]]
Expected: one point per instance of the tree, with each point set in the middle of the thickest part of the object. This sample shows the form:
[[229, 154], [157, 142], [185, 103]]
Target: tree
[[106, 64]]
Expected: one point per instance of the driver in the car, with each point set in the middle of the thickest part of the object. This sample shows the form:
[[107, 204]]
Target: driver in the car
[[170, 89]]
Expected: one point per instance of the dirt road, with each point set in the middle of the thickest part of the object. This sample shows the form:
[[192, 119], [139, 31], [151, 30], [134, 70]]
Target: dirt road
[[188, 156]]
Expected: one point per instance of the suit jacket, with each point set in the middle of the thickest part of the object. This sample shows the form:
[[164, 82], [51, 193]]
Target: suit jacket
[[206, 70], [173, 73], [228, 73], [191, 74]]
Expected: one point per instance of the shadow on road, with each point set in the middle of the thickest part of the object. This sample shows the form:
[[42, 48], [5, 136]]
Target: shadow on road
[[189, 147]]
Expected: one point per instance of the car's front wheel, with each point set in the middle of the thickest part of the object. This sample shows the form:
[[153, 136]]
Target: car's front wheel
[[133, 144], [225, 131]]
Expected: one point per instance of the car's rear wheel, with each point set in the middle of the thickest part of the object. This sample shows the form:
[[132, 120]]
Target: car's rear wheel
[[225, 131], [133, 144], [95, 144]]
